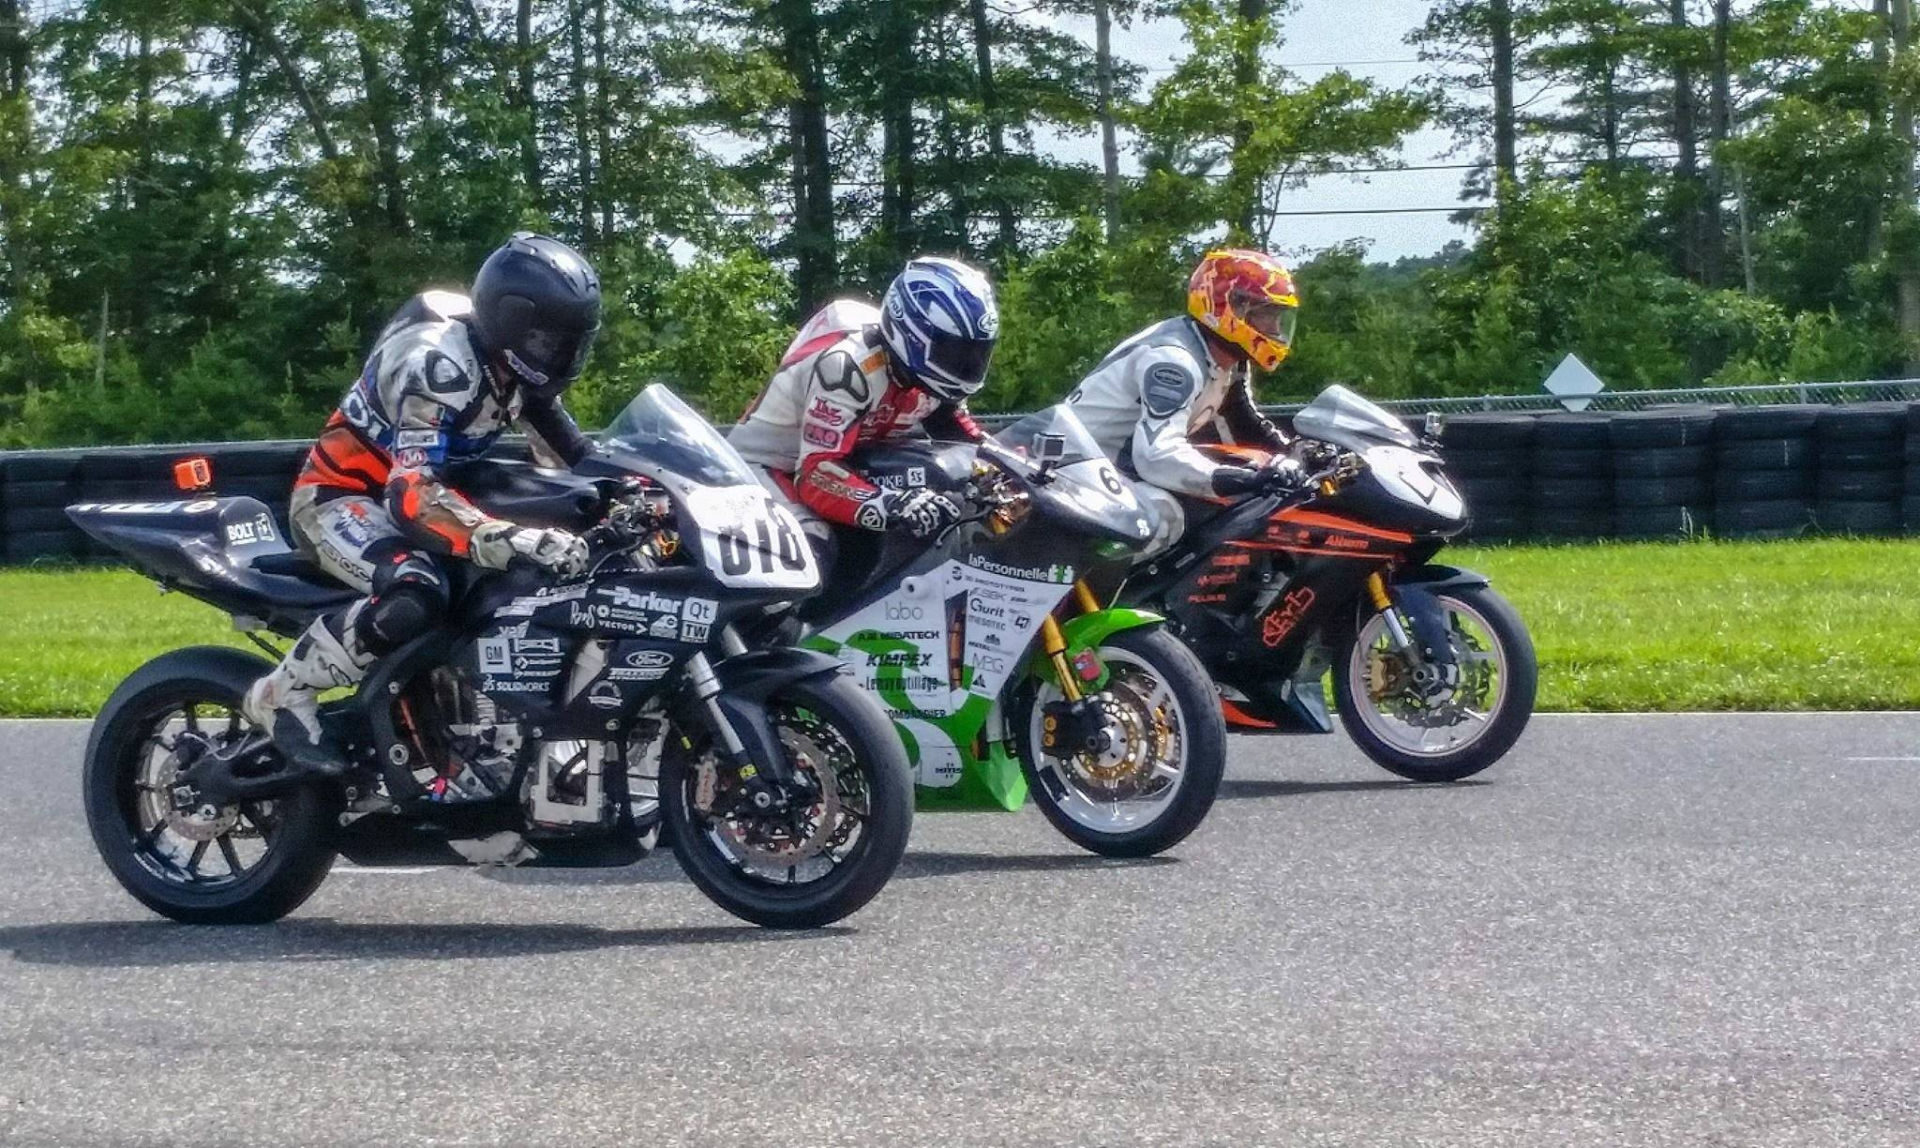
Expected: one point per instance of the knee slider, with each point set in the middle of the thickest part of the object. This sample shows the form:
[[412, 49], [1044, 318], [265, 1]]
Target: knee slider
[[409, 598]]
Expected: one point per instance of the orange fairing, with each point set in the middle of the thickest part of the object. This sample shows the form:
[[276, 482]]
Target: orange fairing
[[1241, 718], [1299, 531]]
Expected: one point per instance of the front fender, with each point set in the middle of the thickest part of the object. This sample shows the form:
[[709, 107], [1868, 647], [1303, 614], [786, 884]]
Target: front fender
[[1435, 577], [1087, 632], [758, 674]]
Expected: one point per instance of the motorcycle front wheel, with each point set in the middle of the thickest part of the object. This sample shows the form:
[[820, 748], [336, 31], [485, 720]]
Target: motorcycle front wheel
[[1166, 750], [829, 852], [1449, 731]]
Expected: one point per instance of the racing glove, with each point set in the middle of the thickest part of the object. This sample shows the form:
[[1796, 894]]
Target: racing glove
[[498, 545], [923, 512]]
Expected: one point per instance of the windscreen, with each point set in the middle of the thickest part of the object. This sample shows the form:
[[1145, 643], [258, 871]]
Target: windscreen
[[1026, 435], [668, 433], [1345, 419]]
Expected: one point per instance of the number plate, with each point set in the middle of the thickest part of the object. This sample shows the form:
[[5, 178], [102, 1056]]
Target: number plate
[[749, 540]]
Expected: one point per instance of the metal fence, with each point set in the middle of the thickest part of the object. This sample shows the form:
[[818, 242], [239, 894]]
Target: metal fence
[[1823, 394]]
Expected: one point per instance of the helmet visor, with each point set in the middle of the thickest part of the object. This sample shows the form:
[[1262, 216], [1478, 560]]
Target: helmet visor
[[962, 359], [559, 355], [1274, 320]]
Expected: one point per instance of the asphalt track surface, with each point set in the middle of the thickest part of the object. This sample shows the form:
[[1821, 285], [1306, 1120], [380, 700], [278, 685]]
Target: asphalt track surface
[[1636, 931]]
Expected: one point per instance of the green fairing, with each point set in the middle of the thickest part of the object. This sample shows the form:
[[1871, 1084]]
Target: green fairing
[[994, 783], [1089, 632]]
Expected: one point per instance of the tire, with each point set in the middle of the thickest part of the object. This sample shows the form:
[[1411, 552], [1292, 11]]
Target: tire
[[1761, 485], [1488, 463], [1637, 430], [40, 495], [1848, 516], [856, 717], [1910, 513], [252, 460], [1498, 522], [1553, 494], [1910, 482], [1660, 521], [31, 519], [42, 546], [1580, 463], [1572, 432], [1862, 422], [1775, 422], [1693, 491], [1764, 454], [1492, 492], [1203, 728], [1503, 728], [302, 845], [1861, 485], [1763, 518], [1912, 451], [1664, 461], [43, 466], [1861, 455], [1488, 432], [1572, 524]]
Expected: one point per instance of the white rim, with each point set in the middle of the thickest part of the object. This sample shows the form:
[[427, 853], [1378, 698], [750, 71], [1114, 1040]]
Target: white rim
[[1460, 724], [1104, 809]]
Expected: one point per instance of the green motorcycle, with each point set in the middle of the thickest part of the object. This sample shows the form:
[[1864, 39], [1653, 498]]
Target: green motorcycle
[[1107, 720]]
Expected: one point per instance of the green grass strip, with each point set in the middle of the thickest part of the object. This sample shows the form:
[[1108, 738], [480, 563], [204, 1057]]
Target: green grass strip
[[1828, 624]]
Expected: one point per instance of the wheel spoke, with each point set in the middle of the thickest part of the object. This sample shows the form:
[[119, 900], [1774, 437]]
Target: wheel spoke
[[147, 839], [192, 717], [232, 855], [193, 862]]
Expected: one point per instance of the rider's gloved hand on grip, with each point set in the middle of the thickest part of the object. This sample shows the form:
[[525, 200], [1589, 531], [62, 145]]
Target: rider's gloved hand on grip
[[1285, 476], [497, 545], [923, 512], [1232, 481]]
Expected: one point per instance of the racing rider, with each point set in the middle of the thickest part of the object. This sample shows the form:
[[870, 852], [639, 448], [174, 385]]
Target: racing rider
[[855, 374], [1186, 379], [373, 506]]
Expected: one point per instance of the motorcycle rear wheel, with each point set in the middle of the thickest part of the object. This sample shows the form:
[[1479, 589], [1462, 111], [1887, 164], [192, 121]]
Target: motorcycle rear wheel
[[1393, 744], [838, 733], [247, 864], [1166, 672]]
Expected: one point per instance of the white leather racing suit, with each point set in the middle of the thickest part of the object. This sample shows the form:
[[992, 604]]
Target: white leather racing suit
[[832, 392], [1155, 395]]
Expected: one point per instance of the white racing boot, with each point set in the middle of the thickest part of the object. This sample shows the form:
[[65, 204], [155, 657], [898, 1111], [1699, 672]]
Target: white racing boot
[[286, 703]]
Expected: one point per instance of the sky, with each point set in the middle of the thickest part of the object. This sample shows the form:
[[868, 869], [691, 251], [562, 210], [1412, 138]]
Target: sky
[[1321, 33]]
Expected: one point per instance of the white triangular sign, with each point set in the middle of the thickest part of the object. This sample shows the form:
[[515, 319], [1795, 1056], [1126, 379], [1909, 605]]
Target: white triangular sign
[[1574, 383]]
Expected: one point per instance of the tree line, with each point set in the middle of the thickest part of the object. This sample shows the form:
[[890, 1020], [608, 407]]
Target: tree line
[[207, 207]]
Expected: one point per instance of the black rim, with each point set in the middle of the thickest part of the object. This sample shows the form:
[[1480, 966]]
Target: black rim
[[752, 846], [181, 842]]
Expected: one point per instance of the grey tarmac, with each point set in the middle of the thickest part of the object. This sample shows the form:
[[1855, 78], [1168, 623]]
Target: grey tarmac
[[1689, 930]]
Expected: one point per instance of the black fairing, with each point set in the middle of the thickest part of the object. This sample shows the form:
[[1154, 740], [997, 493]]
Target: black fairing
[[529, 495], [864, 556], [228, 552], [1363, 497]]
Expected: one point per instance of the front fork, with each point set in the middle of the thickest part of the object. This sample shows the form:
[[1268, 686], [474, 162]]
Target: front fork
[[1396, 630]]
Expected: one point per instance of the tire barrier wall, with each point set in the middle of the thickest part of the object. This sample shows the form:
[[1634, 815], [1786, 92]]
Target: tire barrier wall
[[1675, 472], [37, 486]]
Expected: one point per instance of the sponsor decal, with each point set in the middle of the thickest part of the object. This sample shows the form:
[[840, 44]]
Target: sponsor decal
[[495, 656], [199, 506], [695, 631], [637, 673], [649, 659], [909, 635], [665, 626], [1167, 389], [826, 412], [916, 476], [1226, 579], [1275, 627], [523, 645], [1055, 573], [871, 516], [605, 695], [414, 459], [903, 612], [425, 439], [260, 529], [626, 596], [699, 610], [823, 437], [1232, 559]]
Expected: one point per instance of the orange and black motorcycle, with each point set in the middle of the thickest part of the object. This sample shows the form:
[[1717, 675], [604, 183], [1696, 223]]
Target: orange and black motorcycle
[[1433, 671]]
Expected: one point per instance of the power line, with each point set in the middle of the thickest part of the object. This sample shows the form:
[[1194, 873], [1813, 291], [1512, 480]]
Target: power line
[[1385, 210]]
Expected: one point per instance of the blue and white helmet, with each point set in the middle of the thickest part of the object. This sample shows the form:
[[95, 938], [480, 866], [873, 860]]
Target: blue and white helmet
[[939, 321]]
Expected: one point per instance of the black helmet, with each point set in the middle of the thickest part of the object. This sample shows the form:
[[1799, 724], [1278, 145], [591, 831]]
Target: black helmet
[[536, 308]]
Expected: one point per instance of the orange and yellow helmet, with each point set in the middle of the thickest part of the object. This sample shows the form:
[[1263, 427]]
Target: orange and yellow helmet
[[1248, 299]]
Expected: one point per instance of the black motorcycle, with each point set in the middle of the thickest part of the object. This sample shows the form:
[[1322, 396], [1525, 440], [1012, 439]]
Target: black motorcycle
[[545, 724], [1433, 671]]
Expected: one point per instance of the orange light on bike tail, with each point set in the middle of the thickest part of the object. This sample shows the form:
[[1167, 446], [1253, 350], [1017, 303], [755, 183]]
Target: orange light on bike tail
[[193, 474]]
